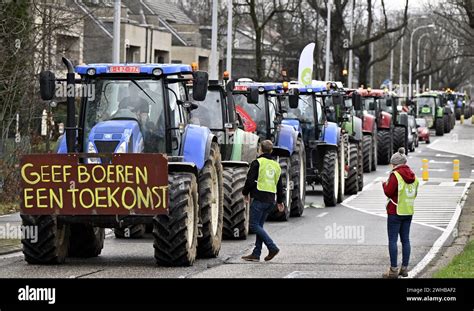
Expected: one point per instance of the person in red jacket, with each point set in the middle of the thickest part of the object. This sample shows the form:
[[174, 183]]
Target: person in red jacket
[[398, 223]]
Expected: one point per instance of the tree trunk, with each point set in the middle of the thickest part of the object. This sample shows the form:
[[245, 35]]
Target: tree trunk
[[258, 54], [364, 62]]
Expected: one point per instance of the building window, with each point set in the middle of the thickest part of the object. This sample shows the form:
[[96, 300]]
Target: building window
[[133, 54]]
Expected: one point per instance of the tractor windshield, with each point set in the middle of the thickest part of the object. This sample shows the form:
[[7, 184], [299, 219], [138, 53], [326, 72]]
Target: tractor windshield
[[139, 100], [209, 112], [426, 105], [368, 103], [255, 111]]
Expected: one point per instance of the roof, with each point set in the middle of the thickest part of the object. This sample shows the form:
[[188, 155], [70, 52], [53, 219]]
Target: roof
[[372, 93], [168, 69], [308, 88], [163, 8]]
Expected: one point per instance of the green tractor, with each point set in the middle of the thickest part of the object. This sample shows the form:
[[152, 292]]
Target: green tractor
[[238, 149], [432, 107]]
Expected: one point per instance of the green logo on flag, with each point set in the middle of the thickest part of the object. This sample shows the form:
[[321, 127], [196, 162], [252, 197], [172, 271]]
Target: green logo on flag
[[306, 76]]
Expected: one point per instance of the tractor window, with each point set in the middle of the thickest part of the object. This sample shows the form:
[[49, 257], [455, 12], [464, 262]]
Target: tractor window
[[209, 113], [305, 110], [140, 100], [255, 111], [426, 105], [368, 103]]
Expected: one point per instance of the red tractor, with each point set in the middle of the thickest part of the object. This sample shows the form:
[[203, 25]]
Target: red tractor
[[376, 126]]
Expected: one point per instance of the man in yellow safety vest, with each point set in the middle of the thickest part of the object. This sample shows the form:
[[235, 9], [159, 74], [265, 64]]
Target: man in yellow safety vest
[[263, 184]]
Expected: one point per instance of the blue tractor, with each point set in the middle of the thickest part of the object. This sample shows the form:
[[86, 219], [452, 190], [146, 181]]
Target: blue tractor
[[324, 141], [139, 108], [265, 104]]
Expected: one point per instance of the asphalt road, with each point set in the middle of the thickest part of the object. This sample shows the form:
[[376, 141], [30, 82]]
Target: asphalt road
[[311, 245]]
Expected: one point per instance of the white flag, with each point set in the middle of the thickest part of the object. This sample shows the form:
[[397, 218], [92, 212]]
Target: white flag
[[305, 69]]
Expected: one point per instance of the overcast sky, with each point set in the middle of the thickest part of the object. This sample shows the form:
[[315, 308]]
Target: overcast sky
[[413, 4]]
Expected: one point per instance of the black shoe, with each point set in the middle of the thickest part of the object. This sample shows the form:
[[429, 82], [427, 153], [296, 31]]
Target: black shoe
[[271, 254], [251, 257]]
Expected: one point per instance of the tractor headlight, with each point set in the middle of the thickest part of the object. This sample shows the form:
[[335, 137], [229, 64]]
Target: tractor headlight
[[91, 149], [157, 72], [122, 148], [91, 72]]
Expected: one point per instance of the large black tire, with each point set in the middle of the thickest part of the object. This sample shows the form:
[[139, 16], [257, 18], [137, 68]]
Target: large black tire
[[330, 178], [439, 125], [175, 234], [341, 168], [236, 212], [86, 241], [360, 167], [367, 153], [399, 138], [298, 176], [51, 245], [351, 186], [211, 205], [130, 232], [374, 152], [285, 179], [384, 147], [447, 124]]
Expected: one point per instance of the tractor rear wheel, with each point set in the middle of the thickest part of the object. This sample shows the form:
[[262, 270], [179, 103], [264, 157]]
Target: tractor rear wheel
[[374, 152], [351, 185], [236, 212], [384, 147], [298, 176], [51, 244], [447, 124], [285, 179], [439, 127], [211, 204], [330, 178], [360, 167], [175, 234], [367, 153], [399, 138], [86, 241]]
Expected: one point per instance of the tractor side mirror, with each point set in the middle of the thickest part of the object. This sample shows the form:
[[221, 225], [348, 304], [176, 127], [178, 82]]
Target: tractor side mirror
[[294, 98], [200, 84], [356, 101], [230, 86], [47, 85], [253, 95]]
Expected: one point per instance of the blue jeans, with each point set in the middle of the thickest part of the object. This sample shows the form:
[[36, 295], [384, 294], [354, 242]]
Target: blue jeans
[[399, 225], [258, 214]]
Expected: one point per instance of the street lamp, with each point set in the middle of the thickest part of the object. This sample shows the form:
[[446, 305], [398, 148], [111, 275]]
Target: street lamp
[[116, 39], [411, 55], [418, 58], [328, 39]]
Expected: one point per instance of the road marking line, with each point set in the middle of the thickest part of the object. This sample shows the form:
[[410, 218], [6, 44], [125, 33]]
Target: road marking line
[[445, 155], [322, 214], [440, 162], [442, 239], [435, 169]]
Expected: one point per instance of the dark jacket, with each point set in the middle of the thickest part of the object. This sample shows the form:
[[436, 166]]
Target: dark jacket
[[251, 184], [391, 187]]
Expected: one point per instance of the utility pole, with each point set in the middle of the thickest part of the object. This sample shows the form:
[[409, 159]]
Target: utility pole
[[328, 39], [351, 37], [116, 41], [229, 38], [401, 68], [371, 82], [391, 71], [214, 61]]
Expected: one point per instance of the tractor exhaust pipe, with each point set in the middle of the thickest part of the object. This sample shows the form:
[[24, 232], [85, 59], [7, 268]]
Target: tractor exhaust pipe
[[71, 107]]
